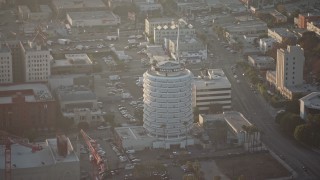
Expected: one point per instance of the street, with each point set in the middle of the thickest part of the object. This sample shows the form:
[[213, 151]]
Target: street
[[303, 160]]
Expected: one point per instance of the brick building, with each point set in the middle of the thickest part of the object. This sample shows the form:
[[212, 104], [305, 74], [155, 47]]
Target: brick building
[[303, 19], [25, 107]]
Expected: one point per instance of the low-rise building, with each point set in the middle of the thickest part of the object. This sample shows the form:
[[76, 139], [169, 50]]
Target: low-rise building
[[25, 107], [246, 27], [61, 7], [92, 18], [151, 23], [265, 44], [192, 7], [79, 104], [191, 49], [215, 88], [280, 18], [44, 13], [262, 62], [54, 159], [171, 32], [310, 105], [237, 124], [314, 26], [282, 35], [72, 64], [148, 6], [304, 18]]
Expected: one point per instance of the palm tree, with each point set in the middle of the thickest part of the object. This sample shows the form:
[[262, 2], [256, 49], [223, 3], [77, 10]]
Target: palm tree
[[163, 126], [185, 123]]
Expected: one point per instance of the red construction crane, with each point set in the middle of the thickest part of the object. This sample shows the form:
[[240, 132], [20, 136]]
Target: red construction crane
[[99, 162], [8, 140]]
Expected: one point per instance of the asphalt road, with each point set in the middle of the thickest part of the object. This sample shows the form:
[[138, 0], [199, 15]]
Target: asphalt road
[[262, 115]]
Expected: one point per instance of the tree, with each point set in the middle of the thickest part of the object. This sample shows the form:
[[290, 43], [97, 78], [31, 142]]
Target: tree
[[293, 106], [309, 41], [109, 117], [196, 113], [289, 122], [279, 116]]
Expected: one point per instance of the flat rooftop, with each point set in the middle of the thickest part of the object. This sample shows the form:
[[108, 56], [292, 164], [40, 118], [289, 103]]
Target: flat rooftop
[[23, 157], [262, 59], [31, 92], [89, 15], [132, 133], [312, 100], [156, 20], [72, 4], [236, 120], [76, 95], [72, 60], [215, 79]]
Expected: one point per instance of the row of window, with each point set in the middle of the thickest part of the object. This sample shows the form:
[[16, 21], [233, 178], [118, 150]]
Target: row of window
[[5, 71], [5, 80], [37, 78], [3, 58], [37, 56]]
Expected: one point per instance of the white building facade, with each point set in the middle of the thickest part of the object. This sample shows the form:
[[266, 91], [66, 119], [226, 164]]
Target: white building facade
[[37, 63], [289, 68], [265, 44], [161, 32], [167, 113], [152, 23], [212, 89], [310, 104], [5, 65]]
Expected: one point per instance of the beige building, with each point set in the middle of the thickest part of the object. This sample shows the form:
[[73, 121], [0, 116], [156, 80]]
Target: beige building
[[171, 32], [37, 60], [79, 104], [281, 35], [289, 69], [5, 65], [314, 26], [151, 23], [72, 64]]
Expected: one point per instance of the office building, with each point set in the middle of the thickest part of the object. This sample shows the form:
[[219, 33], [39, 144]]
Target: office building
[[289, 68], [151, 23], [167, 113], [37, 61], [171, 32], [25, 107], [212, 89], [16, 50], [5, 65]]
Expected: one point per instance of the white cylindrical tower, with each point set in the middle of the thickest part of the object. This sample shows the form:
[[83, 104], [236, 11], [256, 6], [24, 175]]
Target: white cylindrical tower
[[167, 92]]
